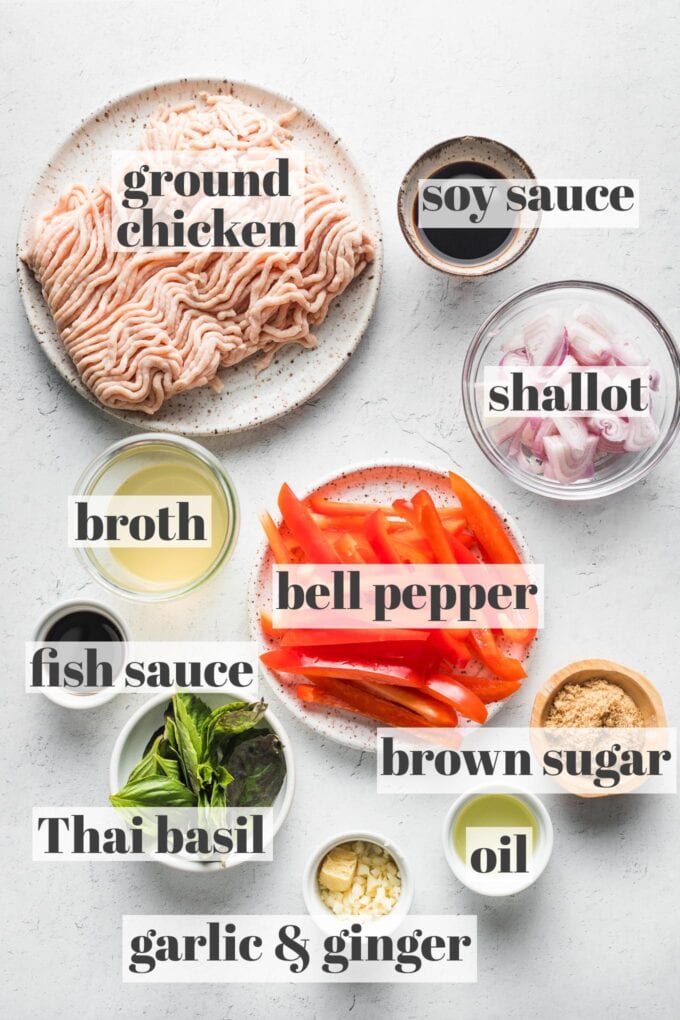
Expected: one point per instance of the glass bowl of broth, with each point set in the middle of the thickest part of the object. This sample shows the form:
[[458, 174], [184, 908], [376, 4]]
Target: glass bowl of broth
[[152, 465]]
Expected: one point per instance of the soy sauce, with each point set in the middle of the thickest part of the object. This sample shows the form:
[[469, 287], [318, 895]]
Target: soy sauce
[[461, 244], [83, 625]]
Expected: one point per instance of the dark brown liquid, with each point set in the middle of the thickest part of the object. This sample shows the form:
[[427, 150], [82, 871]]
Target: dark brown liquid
[[85, 626], [464, 244]]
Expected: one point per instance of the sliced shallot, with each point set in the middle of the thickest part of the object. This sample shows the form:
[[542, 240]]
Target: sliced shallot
[[563, 448], [643, 432], [567, 463], [587, 346]]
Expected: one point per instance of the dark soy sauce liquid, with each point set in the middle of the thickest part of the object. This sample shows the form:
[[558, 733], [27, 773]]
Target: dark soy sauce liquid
[[83, 626], [461, 244]]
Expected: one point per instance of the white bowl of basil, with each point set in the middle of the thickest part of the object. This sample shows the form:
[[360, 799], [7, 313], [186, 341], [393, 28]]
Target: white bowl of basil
[[214, 749]]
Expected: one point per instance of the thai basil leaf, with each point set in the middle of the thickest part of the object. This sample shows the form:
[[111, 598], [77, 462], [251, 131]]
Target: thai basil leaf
[[236, 717], [259, 769], [212, 797], [204, 798], [153, 741], [166, 750], [169, 748], [154, 791], [169, 767], [189, 741], [194, 706], [170, 732], [228, 742], [148, 766]]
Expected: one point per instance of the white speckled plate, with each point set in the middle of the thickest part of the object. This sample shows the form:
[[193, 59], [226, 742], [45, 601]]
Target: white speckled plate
[[379, 483], [295, 375]]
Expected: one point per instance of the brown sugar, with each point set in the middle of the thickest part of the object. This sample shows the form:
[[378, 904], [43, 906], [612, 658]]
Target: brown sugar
[[596, 702]]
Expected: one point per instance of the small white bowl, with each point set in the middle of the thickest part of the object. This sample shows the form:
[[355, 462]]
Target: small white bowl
[[541, 855], [80, 699], [331, 923], [133, 738]]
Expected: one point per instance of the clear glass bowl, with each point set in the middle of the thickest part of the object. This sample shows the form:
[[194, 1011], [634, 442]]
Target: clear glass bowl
[[111, 469], [613, 472]]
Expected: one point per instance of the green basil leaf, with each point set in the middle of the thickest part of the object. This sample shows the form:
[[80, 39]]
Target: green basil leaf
[[170, 732], [148, 766], [189, 740], [169, 767], [212, 797], [169, 750], [205, 773], [222, 776], [196, 708], [154, 791], [152, 741], [236, 717]]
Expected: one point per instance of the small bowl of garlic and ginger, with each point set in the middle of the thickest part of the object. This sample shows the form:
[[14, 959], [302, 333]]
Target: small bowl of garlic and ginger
[[358, 876]]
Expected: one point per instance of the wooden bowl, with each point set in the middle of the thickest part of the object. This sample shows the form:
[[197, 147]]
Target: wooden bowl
[[638, 687]]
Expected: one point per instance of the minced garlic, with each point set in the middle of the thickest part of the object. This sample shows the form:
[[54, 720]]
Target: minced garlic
[[375, 887]]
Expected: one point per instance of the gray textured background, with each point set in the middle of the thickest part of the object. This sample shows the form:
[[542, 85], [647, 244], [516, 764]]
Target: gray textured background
[[578, 90]]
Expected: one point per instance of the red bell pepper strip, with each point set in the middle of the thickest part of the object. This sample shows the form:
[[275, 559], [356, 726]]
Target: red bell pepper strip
[[311, 666], [426, 519], [375, 529], [432, 528], [461, 552], [421, 657], [431, 710], [409, 552], [408, 512], [521, 635], [485, 523], [413, 534], [362, 702], [485, 648], [450, 516], [453, 524], [451, 644], [465, 538], [490, 690], [276, 543], [409, 536], [354, 548], [341, 525], [315, 696], [267, 626], [493, 540], [461, 698], [301, 638], [348, 550], [339, 508], [302, 526]]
